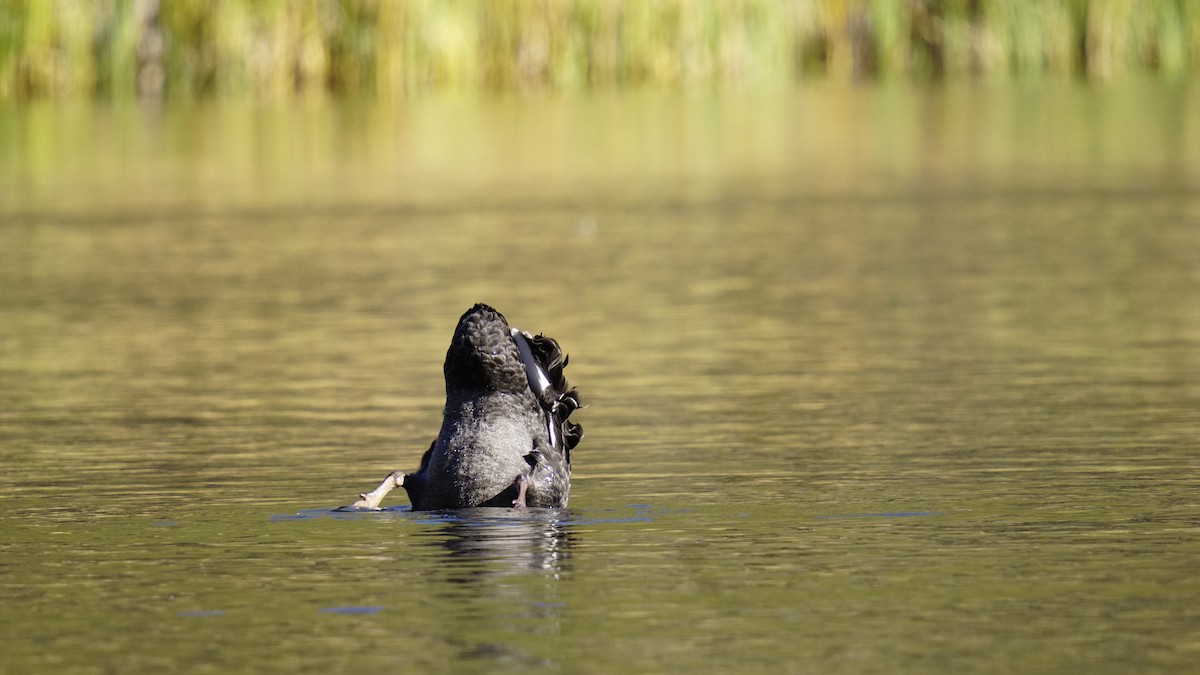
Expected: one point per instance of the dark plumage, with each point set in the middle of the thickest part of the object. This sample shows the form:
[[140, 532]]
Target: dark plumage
[[506, 439]]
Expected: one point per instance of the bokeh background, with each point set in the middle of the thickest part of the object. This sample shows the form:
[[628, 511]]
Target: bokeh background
[[190, 48]]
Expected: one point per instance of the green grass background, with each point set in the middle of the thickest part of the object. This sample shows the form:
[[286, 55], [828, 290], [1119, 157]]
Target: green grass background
[[274, 48]]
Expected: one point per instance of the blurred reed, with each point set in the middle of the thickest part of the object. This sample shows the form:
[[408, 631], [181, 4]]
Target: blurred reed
[[122, 48]]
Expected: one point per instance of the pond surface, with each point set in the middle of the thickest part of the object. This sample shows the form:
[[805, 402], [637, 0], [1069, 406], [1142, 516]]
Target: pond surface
[[880, 380]]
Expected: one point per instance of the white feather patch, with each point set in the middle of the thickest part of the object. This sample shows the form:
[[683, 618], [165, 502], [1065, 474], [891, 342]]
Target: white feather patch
[[538, 380]]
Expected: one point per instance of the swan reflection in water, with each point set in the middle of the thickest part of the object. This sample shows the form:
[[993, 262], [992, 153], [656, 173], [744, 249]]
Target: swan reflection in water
[[499, 565], [496, 542], [504, 565]]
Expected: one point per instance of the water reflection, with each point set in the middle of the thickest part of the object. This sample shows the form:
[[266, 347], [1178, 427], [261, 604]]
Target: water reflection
[[487, 543], [502, 567]]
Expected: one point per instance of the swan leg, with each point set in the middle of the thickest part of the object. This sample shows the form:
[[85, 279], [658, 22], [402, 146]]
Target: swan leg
[[522, 486], [370, 500]]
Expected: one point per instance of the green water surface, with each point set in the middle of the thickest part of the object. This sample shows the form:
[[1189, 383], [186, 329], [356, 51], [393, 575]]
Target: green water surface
[[880, 380]]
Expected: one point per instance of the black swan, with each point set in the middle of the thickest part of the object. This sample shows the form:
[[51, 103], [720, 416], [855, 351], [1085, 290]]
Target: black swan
[[505, 439]]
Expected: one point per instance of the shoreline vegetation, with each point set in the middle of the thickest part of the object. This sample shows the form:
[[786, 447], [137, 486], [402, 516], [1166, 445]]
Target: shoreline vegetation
[[393, 48]]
